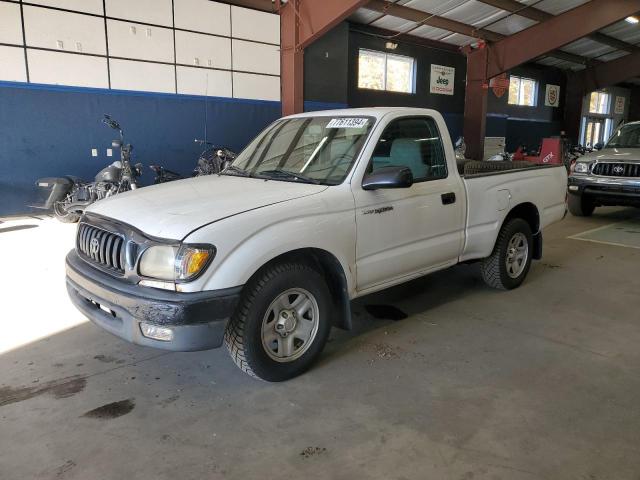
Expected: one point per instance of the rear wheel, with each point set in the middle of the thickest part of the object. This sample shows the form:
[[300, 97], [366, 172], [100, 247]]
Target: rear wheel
[[581, 206], [508, 265], [282, 322], [63, 214]]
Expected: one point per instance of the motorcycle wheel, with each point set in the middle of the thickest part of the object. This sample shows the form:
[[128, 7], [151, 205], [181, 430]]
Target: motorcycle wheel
[[63, 215]]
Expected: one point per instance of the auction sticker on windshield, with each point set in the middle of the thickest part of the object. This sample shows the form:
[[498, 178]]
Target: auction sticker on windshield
[[351, 122]]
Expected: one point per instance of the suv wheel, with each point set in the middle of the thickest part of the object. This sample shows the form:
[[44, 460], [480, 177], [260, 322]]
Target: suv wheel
[[282, 322], [580, 206], [508, 265]]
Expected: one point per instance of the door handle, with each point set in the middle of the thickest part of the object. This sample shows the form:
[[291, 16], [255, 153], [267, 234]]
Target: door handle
[[448, 198]]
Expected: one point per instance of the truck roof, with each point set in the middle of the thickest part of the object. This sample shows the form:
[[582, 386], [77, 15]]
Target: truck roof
[[377, 112]]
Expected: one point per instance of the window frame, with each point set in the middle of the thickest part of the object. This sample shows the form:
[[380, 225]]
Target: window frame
[[444, 151], [536, 91], [386, 56]]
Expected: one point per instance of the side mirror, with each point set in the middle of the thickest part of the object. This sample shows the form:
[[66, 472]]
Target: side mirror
[[388, 177], [598, 146]]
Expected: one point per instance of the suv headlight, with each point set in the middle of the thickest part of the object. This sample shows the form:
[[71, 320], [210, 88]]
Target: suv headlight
[[581, 167], [173, 263]]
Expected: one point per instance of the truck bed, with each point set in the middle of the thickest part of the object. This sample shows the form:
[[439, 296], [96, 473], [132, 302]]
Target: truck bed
[[491, 195]]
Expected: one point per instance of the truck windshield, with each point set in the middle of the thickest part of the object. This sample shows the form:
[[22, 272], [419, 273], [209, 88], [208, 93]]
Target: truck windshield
[[318, 150], [627, 136]]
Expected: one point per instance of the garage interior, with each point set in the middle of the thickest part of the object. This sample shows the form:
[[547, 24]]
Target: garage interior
[[440, 377]]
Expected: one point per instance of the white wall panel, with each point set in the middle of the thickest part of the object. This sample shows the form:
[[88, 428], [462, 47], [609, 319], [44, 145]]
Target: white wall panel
[[259, 87], [78, 33], [256, 57], [210, 51], [60, 68], [202, 81], [203, 16], [10, 23], [255, 25], [149, 77], [157, 12], [12, 64], [133, 40], [89, 6]]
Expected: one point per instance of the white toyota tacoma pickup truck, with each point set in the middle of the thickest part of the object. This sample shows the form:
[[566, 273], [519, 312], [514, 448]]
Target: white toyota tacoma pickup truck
[[318, 209]]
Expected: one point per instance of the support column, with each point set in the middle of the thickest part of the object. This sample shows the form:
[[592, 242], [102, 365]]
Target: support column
[[573, 106], [475, 103], [291, 60]]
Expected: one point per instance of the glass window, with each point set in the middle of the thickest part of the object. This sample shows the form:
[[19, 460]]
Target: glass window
[[385, 71], [627, 136], [523, 91], [411, 142], [599, 103], [307, 149]]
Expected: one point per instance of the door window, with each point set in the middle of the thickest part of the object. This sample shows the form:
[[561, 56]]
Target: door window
[[414, 143]]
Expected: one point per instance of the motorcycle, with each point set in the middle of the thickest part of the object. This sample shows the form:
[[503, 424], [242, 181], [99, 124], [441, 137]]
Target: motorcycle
[[69, 196], [212, 160]]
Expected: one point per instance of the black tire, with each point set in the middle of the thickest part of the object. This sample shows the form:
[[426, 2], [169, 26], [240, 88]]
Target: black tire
[[494, 267], [580, 206], [474, 167], [243, 335], [63, 215]]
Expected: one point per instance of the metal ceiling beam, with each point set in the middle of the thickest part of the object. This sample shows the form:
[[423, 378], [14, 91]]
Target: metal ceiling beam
[[302, 22], [532, 13], [560, 30], [610, 73], [424, 18]]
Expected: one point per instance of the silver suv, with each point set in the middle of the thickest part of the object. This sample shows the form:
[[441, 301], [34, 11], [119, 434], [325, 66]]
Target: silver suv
[[610, 176]]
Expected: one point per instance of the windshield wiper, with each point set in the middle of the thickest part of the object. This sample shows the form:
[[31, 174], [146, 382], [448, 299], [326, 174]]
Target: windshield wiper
[[237, 171], [279, 173]]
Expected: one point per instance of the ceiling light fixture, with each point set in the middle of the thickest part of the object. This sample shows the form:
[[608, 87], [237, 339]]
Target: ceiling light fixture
[[632, 20]]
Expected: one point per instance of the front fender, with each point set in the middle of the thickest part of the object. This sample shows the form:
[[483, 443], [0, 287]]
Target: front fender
[[246, 242]]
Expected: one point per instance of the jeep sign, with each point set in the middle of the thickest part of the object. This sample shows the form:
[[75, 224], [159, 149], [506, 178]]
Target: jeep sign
[[442, 79]]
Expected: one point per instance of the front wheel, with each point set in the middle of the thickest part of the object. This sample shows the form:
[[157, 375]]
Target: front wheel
[[63, 214], [282, 322], [580, 206], [508, 265]]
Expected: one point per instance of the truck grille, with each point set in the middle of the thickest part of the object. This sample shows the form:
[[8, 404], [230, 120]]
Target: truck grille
[[617, 169], [103, 248]]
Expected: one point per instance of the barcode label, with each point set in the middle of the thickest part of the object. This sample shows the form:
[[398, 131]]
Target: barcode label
[[351, 122]]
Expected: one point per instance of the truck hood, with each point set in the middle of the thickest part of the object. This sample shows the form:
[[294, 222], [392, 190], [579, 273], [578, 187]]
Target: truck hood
[[173, 210], [613, 154]]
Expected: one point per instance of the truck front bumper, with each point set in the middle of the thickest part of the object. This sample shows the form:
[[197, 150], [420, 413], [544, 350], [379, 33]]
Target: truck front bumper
[[605, 190], [196, 320]]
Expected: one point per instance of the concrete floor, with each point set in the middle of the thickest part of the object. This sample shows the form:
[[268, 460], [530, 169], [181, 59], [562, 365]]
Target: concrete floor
[[540, 382]]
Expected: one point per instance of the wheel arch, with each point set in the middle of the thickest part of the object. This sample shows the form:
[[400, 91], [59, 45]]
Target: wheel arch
[[331, 269], [528, 212]]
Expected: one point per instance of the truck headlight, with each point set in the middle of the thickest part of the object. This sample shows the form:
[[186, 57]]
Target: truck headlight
[[581, 167], [159, 262], [173, 263]]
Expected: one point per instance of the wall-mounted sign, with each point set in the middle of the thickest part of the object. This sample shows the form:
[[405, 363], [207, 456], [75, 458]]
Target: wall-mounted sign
[[619, 106], [442, 79], [552, 96], [499, 85]]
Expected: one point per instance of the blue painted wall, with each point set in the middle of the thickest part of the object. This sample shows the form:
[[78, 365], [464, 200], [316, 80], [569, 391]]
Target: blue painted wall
[[50, 131]]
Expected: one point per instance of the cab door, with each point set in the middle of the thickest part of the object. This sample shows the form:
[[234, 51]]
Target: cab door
[[407, 231]]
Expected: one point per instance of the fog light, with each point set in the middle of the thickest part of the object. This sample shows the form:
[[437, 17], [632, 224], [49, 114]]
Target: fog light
[[157, 333], [573, 188]]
